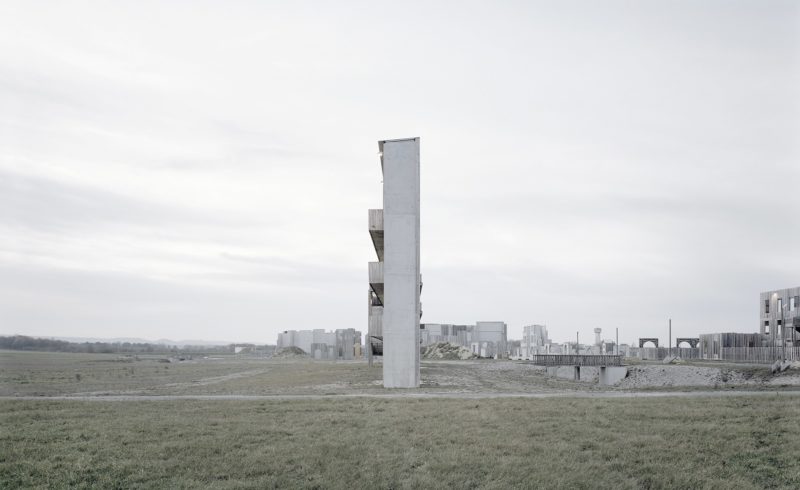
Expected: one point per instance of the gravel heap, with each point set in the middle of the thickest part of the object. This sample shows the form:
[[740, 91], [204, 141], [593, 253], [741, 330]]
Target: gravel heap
[[672, 375], [290, 352], [445, 350]]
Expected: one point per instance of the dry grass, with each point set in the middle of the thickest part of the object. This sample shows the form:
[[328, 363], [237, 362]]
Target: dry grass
[[725, 443], [46, 373]]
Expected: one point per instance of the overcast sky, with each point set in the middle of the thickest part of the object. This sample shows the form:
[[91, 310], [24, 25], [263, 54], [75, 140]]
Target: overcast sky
[[203, 170]]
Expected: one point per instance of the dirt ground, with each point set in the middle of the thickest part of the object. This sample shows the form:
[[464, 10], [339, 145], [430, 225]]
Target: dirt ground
[[82, 375], [511, 376], [723, 376]]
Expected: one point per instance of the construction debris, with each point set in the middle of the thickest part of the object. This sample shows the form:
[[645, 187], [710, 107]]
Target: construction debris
[[290, 352], [447, 351]]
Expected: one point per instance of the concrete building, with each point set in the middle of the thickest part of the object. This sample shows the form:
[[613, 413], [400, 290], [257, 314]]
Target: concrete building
[[779, 312], [608, 347], [344, 343], [534, 341], [778, 336], [394, 308], [485, 339], [348, 344], [432, 333], [489, 339], [514, 349]]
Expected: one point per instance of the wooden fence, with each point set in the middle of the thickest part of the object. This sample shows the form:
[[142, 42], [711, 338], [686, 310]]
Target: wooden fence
[[662, 352], [759, 355], [766, 355]]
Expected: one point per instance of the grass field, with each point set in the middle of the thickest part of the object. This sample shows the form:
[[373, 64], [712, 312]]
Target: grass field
[[339, 442], [724, 443]]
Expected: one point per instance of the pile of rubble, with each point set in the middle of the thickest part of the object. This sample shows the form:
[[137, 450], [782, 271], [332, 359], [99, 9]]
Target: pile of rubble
[[654, 376], [447, 351], [290, 352]]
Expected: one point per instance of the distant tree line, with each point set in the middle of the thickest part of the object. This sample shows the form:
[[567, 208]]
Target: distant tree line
[[22, 342]]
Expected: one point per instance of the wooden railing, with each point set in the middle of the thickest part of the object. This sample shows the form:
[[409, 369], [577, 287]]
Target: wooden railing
[[575, 360]]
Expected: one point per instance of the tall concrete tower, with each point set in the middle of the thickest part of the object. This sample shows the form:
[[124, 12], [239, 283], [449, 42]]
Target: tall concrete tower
[[597, 339], [395, 281]]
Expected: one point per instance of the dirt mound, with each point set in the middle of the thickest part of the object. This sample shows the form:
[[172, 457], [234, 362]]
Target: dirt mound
[[290, 352], [445, 350]]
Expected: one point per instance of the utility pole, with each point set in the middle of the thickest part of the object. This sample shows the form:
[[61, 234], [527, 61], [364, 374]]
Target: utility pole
[[577, 343], [616, 343], [783, 329], [670, 337]]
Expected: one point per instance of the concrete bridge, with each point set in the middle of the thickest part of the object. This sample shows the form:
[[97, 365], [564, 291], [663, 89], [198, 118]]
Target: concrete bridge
[[576, 360], [609, 369]]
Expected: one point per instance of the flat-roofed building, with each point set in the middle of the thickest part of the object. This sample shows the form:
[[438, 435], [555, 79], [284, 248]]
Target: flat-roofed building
[[779, 314], [432, 333]]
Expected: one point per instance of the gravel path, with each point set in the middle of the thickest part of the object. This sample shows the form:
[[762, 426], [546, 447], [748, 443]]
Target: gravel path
[[396, 395]]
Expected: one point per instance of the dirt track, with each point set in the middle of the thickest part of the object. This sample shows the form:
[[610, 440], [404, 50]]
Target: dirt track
[[399, 395]]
